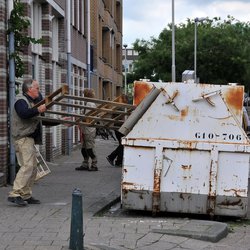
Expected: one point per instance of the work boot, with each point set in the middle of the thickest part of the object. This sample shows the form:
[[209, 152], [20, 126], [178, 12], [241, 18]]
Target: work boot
[[118, 163], [93, 166], [110, 160], [84, 166], [85, 163], [32, 200], [17, 200]]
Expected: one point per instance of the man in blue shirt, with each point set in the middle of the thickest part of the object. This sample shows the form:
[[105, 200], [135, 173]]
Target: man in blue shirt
[[26, 133]]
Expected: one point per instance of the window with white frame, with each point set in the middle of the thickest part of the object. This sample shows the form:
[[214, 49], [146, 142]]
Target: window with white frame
[[82, 17], [55, 79], [129, 52], [73, 12], [78, 14], [136, 53], [35, 66], [36, 17], [55, 39]]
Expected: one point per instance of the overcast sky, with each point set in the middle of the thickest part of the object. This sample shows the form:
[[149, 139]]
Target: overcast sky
[[145, 18]]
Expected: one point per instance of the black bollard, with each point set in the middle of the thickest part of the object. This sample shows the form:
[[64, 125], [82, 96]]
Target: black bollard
[[76, 228]]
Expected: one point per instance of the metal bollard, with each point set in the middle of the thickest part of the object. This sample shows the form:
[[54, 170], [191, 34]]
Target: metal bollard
[[76, 229]]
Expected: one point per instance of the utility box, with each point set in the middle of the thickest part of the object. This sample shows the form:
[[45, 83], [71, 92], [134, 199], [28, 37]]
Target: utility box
[[185, 150], [188, 76]]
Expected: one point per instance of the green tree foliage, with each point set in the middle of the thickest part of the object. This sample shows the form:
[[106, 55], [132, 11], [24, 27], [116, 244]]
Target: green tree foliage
[[18, 24], [223, 52]]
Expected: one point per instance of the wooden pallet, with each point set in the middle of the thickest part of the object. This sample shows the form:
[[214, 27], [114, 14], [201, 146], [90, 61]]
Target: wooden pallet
[[107, 114]]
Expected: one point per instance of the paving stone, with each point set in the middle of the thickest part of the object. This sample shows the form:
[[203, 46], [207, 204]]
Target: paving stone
[[195, 244], [49, 248], [20, 248], [160, 245], [60, 243], [128, 244], [47, 226], [12, 242], [148, 239], [32, 242]]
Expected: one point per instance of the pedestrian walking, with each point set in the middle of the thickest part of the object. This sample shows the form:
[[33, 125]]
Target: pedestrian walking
[[26, 133], [116, 157], [88, 138]]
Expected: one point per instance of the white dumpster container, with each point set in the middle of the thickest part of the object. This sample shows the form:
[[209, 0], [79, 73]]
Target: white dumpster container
[[186, 151]]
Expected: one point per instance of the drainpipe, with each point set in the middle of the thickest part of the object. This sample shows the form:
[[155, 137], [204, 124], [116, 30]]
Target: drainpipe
[[12, 96], [68, 40], [88, 45]]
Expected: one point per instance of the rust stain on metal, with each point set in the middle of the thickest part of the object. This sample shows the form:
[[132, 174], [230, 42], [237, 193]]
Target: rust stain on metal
[[156, 191], [188, 144], [174, 117], [230, 203], [212, 179], [141, 89], [184, 113], [186, 167], [209, 211], [187, 177], [181, 196], [236, 192], [211, 193], [156, 203], [125, 194], [141, 196], [125, 191], [184, 196], [128, 183], [156, 181], [234, 98]]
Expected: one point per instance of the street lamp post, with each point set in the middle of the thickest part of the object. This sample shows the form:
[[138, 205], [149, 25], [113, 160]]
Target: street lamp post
[[173, 44], [196, 20], [125, 68]]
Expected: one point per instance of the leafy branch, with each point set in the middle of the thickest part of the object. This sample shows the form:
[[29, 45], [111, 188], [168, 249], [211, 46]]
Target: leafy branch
[[18, 24]]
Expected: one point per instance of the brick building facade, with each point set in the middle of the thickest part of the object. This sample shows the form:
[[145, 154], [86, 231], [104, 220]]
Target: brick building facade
[[4, 95], [106, 44], [47, 62]]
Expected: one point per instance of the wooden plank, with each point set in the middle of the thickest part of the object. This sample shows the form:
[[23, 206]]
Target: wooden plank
[[115, 107], [48, 99], [92, 108], [106, 104], [105, 114], [82, 117], [86, 99], [61, 121]]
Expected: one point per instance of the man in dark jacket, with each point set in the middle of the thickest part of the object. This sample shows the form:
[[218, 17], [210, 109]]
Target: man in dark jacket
[[26, 133]]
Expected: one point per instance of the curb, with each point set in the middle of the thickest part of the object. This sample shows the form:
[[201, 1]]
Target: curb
[[101, 211], [212, 231]]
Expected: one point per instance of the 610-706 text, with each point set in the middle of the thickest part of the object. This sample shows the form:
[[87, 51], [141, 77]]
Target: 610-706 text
[[214, 136]]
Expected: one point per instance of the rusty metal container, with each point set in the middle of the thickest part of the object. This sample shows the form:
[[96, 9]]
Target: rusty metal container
[[187, 151]]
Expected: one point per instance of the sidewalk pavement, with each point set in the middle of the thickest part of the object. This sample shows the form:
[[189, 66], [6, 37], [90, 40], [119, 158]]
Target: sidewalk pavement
[[47, 226]]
